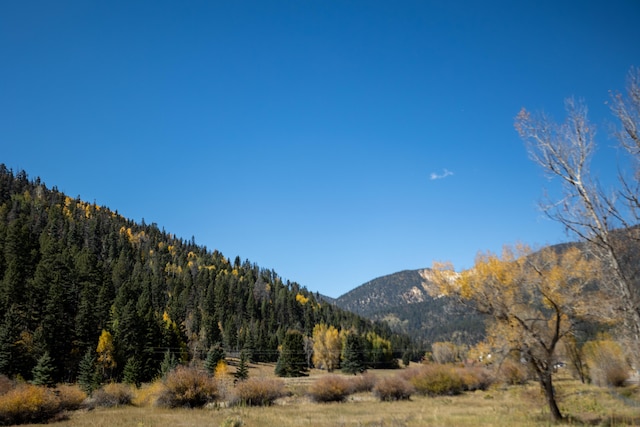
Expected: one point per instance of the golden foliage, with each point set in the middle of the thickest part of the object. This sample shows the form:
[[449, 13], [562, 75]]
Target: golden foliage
[[106, 350], [302, 299], [222, 370], [28, 403], [327, 346], [533, 299], [606, 362]]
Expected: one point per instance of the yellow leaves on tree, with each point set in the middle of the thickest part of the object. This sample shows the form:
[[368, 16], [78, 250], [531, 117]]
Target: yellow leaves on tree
[[327, 346], [533, 299], [302, 299], [106, 351]]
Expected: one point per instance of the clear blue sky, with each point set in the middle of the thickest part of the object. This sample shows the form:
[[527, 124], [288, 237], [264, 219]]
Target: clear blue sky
[[331, 141]]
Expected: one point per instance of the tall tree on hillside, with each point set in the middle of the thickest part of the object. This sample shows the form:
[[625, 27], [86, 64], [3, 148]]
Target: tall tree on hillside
[[534, 301], [564, 152], [13, 357], [19, 248]]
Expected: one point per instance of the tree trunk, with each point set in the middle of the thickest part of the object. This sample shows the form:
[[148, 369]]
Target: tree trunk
[[550, 394]]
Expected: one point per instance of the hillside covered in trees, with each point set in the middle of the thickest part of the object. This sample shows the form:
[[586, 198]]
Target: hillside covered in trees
[[74, 273]]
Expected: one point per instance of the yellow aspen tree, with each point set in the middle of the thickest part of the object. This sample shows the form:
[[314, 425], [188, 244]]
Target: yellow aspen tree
[[327, 346], [533, 301], [106, 352]]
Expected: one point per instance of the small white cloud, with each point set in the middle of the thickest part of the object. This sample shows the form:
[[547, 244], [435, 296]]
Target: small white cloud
[[442, 175]]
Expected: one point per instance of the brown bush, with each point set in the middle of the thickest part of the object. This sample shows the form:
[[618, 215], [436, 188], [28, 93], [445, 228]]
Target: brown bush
[[258, 391], [330, 388], [112, 394], [513, 373], [71, 397], [393, 388], [188, 387], [475, 378], [606, 363], [27, 403], [362, 383], [435, 379], [5, 384]]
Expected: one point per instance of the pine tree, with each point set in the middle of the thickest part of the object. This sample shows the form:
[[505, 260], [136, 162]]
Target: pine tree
[[214, 355], [292, 361], [242, 372], [88, 375], [43, 371], [168, 363], [132, 371], [353, 355]]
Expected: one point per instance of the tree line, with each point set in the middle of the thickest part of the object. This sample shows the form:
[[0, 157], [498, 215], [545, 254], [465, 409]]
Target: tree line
[[74, 274]]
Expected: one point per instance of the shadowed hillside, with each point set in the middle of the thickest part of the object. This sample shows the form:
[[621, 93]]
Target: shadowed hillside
[[402, 301]]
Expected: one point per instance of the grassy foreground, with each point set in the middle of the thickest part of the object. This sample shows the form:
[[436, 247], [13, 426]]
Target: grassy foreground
[[498, 406]]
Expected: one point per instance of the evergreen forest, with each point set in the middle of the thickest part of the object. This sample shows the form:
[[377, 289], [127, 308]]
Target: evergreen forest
[[79, 282]]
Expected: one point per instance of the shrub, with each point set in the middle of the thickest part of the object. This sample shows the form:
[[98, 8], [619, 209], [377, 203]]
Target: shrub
[[362, 383], [70, 396], [513, 373], [148, 394], [5, 384], [232, 422], [475, 378], [435, 380], [28, 403], [606, 363], [188, 387], [257, 391], [393, 388], [112, 394], [330, 388]]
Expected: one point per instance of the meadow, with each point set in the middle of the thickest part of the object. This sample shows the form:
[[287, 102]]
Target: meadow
[[499, 405]]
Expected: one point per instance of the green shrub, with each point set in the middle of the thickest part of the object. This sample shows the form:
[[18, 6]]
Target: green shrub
[[258, 391], [112, 394], [435, 380], [188, 387], [27, 403], [393, 388], [330, 388]]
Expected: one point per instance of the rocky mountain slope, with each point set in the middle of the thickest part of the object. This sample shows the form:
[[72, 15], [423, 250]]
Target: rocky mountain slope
[[403, 301]]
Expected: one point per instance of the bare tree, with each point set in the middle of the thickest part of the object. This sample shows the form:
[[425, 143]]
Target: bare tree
[[606, 221], [626, 108]]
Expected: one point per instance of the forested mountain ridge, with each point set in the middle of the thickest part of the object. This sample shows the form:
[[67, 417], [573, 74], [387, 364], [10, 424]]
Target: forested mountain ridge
[[403, 302], [403, 287], [72, 271]]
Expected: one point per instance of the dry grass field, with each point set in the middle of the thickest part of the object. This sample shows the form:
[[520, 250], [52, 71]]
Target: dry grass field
[[498, 406]]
